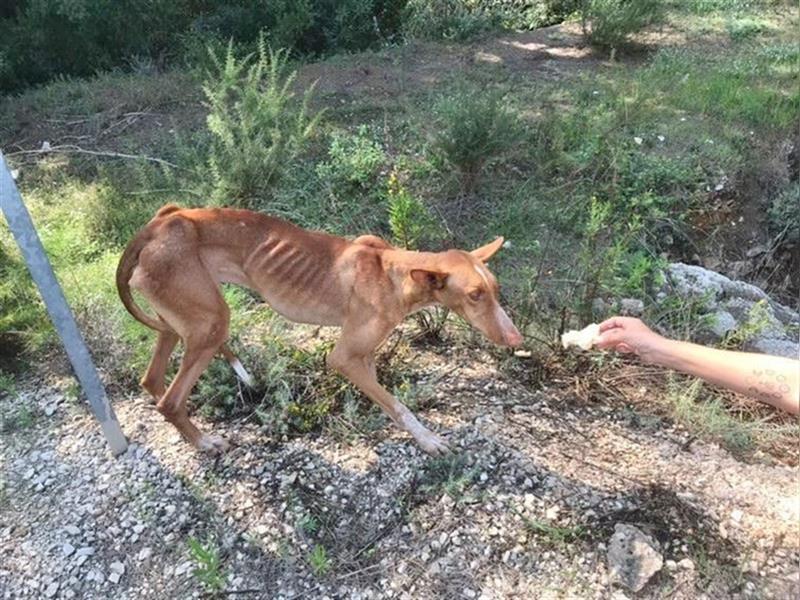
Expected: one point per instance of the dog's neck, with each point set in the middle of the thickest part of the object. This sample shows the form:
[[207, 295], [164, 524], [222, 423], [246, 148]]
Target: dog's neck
[[398, 265]]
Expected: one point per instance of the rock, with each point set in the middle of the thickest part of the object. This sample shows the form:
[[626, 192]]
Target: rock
[[72, 530], [144, 554], [51, 590], [686, 564], [776, 347], [67, 549], [631, 306], [599, 308], [731, 304], [114, 577], [722, 323], [85, 551], [117, 567], [633, 557]]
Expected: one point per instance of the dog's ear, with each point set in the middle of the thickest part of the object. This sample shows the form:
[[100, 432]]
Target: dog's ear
[[484, 253], [432, 280]]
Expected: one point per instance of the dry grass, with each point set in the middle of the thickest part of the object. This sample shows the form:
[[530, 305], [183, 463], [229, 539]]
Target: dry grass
[[743, 425]]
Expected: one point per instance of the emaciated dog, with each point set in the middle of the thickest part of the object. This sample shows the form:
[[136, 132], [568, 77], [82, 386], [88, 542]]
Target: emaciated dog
[[365, 286]]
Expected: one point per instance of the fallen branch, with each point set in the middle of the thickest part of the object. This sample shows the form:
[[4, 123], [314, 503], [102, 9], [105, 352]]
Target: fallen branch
[[71, 149]]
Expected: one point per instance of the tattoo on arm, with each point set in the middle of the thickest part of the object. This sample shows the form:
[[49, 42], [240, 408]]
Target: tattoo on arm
[[766, 384]]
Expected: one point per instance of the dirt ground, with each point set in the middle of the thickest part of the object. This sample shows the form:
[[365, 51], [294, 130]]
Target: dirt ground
[[523, 509]]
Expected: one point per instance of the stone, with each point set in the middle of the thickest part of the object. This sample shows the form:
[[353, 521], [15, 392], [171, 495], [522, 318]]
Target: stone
[[631, 306], [117, 567], [633, 557], [776, 347], [67, 549], [51, 590], [722, 323], [72, 530], [730, 304]]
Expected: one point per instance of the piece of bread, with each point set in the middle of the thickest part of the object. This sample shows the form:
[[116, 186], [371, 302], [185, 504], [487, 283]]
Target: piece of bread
[[583, 339]]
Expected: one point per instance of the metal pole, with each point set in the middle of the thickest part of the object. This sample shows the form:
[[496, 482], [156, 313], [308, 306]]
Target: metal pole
[[25, 234]]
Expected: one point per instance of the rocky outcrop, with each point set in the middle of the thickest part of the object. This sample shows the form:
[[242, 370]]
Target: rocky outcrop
[[732, 304]]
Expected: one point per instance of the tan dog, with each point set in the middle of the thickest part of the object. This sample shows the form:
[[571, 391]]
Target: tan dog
[[365, 286]]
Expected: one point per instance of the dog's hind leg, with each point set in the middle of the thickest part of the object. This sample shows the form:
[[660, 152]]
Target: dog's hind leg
[[190, 303], [153, 379]]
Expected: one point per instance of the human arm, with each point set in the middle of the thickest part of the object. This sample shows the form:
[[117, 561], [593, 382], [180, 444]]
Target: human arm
[[771, 379]]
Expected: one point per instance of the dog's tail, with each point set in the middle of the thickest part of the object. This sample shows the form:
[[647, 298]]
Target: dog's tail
[[237, 366], [127, 263]]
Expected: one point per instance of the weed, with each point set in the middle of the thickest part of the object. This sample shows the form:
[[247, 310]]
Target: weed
[[448, 19], [745, 28], [757, 320], [73, 392], [553, 535], [319, 561], [8, 384], [409, 219], [257, 126], [308, 524], [353, 160], [784, 218], [450, 475], [608, 23], [209, 571], [706, 415], [474, 128]]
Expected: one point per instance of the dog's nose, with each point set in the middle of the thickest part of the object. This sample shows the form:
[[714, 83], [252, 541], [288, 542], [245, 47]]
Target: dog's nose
[[513, 338]]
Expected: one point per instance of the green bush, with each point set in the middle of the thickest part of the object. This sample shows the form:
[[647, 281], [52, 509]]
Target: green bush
[[409, 219], [784, 214], [608, 23], [256, 124], [79, 37], [353, 160], [447, 19], [473, 128], [44, 39], [459, 19]]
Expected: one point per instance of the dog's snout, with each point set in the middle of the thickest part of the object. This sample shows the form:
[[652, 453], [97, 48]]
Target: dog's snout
[[513, 338]]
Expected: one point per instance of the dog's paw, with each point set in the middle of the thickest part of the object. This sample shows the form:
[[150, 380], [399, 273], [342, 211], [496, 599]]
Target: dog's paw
[[433, 444], [212, 444]]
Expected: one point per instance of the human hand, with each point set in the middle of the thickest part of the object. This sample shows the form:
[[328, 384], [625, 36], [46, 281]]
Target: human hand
[[629, 335]]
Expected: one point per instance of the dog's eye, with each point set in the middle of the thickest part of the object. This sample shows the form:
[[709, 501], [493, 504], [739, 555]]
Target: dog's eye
[[476, 295]]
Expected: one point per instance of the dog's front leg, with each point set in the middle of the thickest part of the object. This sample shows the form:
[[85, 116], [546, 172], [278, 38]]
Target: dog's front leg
[[360, 369]]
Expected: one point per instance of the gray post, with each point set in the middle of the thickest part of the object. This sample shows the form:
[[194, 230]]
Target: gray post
[[24, 232]]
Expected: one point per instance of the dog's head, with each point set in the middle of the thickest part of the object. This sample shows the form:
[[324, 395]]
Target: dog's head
[[461, 282]]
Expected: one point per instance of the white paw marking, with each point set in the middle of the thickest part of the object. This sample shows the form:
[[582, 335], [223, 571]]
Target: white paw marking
[[212, 444]]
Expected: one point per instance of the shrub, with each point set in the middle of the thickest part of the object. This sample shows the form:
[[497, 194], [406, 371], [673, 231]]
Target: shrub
[[784, 216], [409, 219], [256, 124], [459, 20], [745, 28], [473, 129], [612, 21], [353, 160], [448, 19]]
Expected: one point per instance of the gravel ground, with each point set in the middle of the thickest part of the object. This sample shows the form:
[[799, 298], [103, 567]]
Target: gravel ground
[[525, 507]]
